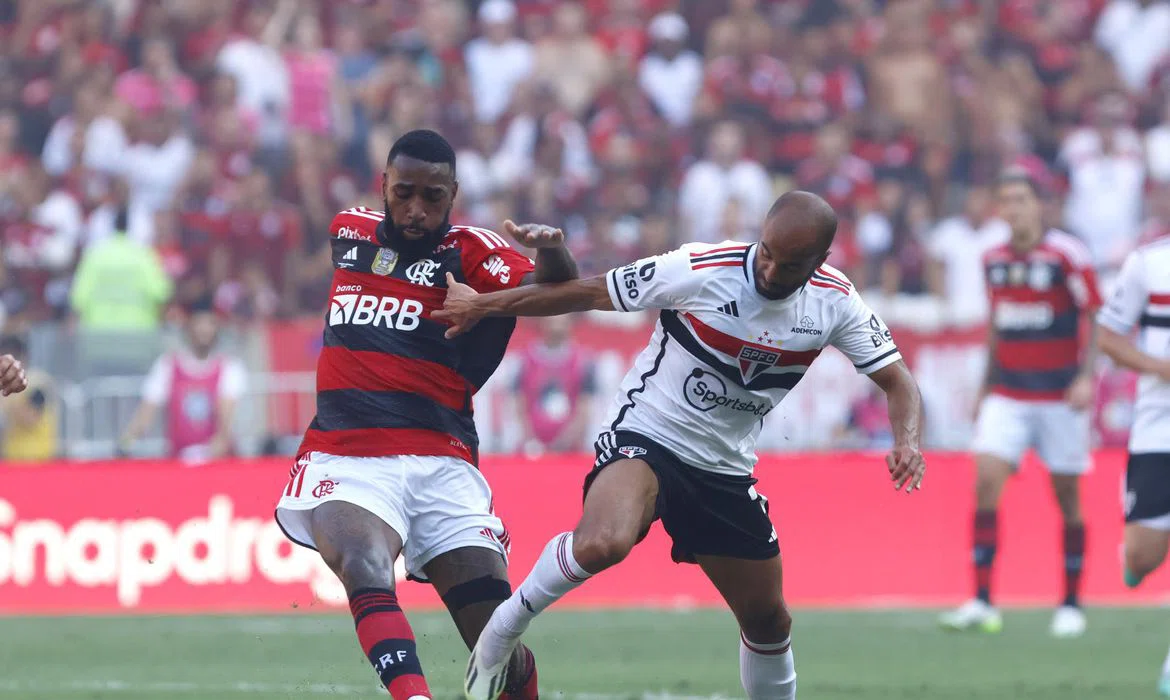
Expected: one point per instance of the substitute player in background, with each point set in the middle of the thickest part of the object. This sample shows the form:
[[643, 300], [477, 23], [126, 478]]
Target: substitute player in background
[[387, 466], [738, 327], [1141, 300], [1037, 392], [12, 376]]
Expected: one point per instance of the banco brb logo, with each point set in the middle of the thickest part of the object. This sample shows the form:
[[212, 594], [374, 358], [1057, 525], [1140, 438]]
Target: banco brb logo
[[367, 310]]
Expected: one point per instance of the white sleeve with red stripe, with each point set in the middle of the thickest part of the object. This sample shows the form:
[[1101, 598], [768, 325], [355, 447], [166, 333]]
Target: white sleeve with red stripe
[[668, 281], [862, 336], [1129, 298]]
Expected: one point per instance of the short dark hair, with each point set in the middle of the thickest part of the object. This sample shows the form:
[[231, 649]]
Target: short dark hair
[[425, 145], [1019, 176], [204, 303]]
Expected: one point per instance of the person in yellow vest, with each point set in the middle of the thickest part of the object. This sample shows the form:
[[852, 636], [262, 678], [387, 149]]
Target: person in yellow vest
[[29, 415]]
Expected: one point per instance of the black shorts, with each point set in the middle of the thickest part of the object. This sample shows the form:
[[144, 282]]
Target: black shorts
[[1147, 486], [704, 513]]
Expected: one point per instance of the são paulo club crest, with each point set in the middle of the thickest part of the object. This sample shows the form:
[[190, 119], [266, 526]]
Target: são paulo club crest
[[754, 360], [631, 452]]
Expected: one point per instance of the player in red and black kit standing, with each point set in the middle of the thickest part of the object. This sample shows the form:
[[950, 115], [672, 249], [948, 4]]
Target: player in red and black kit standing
[[1038, 390], [387, 466]]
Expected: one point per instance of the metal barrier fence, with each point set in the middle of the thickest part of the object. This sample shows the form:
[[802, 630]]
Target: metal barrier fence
[[269, 419]]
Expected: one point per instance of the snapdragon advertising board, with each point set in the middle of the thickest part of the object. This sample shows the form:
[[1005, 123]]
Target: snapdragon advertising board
[[158, 537]]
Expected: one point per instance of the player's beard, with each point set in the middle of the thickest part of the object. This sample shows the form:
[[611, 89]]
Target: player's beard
[[416, 248], [778, 293]]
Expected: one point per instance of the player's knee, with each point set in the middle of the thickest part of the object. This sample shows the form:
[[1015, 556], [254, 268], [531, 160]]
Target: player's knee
[[771, 624], [361, 567], [599, 550]]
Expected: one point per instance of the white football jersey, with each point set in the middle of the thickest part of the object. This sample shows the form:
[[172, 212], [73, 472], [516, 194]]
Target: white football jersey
[[1141, 299], [722, 356]]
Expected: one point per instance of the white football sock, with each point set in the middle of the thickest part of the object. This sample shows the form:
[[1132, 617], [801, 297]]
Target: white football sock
[[767, 671], [554, 575], [1166, 666]]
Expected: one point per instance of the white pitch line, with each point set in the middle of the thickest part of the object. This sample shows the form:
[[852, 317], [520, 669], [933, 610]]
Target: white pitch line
[[251, 688]]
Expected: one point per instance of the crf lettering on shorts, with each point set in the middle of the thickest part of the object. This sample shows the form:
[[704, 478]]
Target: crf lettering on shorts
[[1023, 316], [705, 391], [367, 309]]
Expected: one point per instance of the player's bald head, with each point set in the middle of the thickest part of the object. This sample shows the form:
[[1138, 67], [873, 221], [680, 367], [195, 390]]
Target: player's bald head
[[801, 221], [797, 235]]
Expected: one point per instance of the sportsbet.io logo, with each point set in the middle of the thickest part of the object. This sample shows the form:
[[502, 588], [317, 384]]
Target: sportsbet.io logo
[[369, 310], [706, 390]]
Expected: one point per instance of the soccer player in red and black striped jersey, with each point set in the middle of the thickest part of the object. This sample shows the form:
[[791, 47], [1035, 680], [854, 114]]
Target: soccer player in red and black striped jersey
[[1038, 390], [387, 466]]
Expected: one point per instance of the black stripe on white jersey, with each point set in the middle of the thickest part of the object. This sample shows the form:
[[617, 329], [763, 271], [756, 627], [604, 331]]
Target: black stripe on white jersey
[[716, 257], [641, 387]]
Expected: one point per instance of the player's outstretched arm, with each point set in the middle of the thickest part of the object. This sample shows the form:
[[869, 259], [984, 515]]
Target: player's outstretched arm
[[464, 306], [1125, 353], [906, 464], [12, 378]]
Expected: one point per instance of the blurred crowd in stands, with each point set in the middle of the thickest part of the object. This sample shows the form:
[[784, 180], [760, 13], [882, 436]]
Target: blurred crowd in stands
[[158, 152]]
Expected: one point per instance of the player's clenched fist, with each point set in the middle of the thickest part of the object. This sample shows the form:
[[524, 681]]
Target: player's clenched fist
[[535, 235], [459, 309], [907, 467], [12, 379]]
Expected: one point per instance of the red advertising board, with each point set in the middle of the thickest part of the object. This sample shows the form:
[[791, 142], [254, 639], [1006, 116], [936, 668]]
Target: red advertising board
[[157, 537]]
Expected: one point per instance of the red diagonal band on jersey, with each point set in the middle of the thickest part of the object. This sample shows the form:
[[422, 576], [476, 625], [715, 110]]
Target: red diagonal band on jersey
[[1160, 298], [341, 368], [730, 345], [384, 442], [1037, 355]]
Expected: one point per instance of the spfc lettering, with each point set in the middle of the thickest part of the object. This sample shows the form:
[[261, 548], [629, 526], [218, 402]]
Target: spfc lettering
[[754, 361]]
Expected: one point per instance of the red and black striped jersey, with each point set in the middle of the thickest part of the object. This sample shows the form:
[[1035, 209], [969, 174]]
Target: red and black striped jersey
[[1038, 302], [388, 382]]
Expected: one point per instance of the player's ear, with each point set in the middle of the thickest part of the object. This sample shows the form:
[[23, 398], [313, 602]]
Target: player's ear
[[454, 189]]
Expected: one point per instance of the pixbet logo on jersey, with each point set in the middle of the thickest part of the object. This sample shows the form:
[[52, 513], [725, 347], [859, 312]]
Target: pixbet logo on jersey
[[367, 309]]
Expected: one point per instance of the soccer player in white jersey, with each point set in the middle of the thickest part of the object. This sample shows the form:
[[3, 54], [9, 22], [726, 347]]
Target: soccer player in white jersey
[[739, 325], [1141, 300]]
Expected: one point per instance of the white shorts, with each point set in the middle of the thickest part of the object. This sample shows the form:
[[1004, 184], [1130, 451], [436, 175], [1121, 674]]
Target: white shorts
[[1007, 427], [436, 504]]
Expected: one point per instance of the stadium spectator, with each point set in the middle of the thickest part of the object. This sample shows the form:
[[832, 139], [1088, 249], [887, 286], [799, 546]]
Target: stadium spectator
[[955, 251], [1158, 147], [28, 420], [554, 390], [726, 174], [1134, 32], [197, 389], [498, 61], [120, 285], [1106, 174], [572, 60], [671, 74]]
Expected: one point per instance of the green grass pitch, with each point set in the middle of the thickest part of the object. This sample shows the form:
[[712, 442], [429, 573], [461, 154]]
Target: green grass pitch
[[599, 655]]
